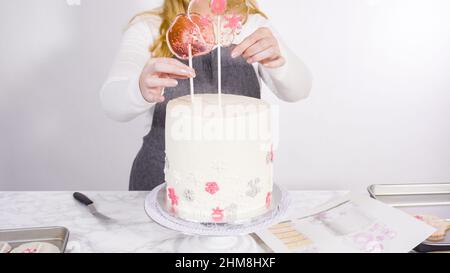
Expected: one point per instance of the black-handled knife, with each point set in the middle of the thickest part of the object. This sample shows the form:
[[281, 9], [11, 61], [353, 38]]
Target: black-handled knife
[[83, 199]]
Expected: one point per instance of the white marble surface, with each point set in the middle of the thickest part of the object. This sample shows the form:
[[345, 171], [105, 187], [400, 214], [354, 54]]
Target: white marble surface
[[133, 231]]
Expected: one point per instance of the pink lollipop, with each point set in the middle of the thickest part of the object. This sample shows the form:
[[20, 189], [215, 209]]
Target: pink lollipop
[[190, 36], [227, 17], [208, 24], [193, 31]]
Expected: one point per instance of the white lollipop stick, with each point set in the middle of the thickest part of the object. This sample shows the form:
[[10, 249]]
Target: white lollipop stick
[[191, 80]]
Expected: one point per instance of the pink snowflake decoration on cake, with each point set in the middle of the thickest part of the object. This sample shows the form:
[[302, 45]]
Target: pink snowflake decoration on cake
[[268, 199], [211, 188], [173, 197], [217, 214]]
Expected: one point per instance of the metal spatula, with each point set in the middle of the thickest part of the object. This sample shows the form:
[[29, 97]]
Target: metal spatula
[[83, 199]]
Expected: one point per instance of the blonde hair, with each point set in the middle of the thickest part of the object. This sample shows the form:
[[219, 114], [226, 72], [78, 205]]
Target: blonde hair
[[167, 12]]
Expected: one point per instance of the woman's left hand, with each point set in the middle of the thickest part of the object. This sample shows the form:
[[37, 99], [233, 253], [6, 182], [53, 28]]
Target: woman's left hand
[[261, 47]]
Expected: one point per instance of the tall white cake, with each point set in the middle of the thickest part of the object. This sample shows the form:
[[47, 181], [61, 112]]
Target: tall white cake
[[219, 158]]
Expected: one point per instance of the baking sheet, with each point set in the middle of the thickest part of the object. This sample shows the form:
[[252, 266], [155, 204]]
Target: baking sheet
[[408, 195], [57, 236]]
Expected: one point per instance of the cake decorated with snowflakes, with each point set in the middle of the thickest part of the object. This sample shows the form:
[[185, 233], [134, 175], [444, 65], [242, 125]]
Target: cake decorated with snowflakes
[[219, 158]]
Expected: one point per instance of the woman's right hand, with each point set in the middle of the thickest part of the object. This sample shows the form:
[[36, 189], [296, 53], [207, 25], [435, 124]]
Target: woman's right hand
[[160, 73]]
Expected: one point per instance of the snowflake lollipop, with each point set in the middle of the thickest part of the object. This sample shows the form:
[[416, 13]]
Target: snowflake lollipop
[[226, 17], [190, 36], [208, 24]]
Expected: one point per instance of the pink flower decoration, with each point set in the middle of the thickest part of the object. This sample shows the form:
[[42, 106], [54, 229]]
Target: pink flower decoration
[[268, 200], [173, 197], [217, 214], [218, 7], [212, 187]]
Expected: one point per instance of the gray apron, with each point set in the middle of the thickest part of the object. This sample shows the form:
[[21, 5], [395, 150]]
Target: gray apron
[[238, 77]]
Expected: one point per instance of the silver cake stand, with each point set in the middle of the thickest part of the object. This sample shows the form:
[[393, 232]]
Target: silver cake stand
[[216, 237]]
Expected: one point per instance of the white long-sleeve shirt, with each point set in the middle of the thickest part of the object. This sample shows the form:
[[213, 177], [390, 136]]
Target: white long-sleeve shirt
[[121, 97]]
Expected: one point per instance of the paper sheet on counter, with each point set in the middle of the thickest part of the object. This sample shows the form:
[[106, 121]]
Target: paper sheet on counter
[[347, 224]]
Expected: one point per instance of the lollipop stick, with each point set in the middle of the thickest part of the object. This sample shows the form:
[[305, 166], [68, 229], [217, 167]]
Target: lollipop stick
[[219, 74], [219, 61], [191, 80]]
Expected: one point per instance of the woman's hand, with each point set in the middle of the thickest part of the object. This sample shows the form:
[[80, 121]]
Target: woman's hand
[[160, 73], [261, 47]]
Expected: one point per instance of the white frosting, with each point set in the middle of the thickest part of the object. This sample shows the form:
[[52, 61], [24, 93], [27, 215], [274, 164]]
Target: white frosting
[[219, 157]]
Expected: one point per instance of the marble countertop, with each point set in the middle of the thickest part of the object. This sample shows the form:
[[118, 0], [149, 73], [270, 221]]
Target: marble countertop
[[132, 232]]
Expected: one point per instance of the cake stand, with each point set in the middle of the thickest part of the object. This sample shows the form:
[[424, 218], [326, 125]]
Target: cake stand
[[216, 237]]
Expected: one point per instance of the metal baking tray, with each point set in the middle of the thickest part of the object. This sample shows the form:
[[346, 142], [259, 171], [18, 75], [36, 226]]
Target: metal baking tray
[[58, 236], [417, 199]]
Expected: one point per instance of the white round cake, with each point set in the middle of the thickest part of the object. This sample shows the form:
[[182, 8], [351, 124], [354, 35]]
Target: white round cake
[[219, 158]]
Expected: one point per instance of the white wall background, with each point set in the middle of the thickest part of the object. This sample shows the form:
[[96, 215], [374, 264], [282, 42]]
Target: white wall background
[[379, 111]]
